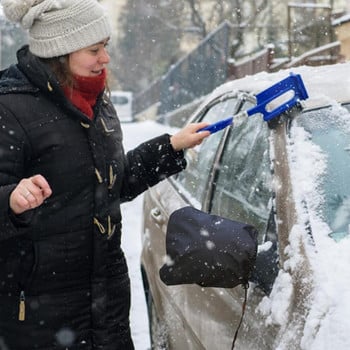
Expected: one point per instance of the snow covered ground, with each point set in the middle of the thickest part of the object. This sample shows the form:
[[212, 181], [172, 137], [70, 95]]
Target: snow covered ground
[[134, 134]]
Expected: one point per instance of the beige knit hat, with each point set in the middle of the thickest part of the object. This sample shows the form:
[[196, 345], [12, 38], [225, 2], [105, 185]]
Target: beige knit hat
[[59, 27]]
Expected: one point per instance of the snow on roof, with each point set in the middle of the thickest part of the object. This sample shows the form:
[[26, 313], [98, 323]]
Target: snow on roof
[[341, 20]]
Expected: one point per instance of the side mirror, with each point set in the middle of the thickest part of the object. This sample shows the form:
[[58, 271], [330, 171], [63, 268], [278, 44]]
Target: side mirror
[[266, 267]]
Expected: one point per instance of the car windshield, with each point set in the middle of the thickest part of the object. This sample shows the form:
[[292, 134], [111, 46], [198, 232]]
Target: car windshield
[[329, 129]]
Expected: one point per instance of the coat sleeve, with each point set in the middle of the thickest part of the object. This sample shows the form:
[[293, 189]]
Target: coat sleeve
[[12, 160], [148, 164]]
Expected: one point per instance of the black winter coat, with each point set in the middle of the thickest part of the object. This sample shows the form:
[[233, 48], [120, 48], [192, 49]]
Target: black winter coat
[[63, 260]]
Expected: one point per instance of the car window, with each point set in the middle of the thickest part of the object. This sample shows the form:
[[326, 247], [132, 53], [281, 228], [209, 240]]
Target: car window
[[329, 128], [119, 100], [243, 183], [193, 183]]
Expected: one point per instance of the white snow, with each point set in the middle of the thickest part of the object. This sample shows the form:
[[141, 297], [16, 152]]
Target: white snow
[[329, 316]]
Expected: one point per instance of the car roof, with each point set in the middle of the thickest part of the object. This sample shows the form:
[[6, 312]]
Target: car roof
[[325, 85]]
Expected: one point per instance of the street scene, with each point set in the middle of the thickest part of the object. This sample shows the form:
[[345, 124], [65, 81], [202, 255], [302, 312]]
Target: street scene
[[174, 175]]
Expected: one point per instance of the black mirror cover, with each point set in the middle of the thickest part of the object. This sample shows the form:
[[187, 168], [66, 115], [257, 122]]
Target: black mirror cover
[[208, 250]]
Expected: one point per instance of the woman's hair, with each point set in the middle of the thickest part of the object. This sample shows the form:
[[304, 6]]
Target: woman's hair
[[60, 67]]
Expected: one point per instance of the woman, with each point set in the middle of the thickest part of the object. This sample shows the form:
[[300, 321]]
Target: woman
[[63, 277]]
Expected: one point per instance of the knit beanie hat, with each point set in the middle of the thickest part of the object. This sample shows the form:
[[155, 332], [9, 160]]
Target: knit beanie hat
[[59, 27]]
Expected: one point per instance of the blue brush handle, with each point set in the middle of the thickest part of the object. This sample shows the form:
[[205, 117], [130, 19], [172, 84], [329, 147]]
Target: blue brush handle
[[221, 124]]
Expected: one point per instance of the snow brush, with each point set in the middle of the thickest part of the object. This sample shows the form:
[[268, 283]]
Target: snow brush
[[291, 86]]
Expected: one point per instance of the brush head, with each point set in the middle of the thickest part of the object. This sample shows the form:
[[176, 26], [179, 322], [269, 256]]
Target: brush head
[[280, 97]]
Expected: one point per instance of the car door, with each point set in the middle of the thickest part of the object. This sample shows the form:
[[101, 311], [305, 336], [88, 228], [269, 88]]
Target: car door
[[239, 187], [174, 305]]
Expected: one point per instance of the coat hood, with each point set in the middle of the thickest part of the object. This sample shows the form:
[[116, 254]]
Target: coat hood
[[12, 80], [29, 75]]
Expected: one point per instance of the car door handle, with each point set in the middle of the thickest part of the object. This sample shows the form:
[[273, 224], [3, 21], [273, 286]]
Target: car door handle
[[157, 216]]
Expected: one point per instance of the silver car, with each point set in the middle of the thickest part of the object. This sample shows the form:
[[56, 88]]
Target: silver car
[[289, 178]]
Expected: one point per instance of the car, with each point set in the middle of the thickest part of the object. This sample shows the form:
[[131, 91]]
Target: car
[[122, 102], [289, 178]]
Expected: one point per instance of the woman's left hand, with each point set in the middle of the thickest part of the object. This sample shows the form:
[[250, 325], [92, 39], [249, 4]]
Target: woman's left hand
[[30, 193], [189, 136]]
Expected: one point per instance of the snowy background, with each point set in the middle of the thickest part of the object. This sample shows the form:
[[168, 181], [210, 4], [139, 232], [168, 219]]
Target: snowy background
[[134, 134]]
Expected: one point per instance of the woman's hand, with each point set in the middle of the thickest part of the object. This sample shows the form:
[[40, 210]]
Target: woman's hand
[[29, 194], [189, 137]]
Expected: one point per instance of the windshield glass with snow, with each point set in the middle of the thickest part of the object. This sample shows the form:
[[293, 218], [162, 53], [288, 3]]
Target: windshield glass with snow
[[328, 129]]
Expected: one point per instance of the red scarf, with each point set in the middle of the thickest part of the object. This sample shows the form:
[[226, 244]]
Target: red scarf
[[85, 91]]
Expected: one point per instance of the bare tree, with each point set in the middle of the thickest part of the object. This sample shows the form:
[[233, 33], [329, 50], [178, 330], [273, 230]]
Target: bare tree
[[153, 32]]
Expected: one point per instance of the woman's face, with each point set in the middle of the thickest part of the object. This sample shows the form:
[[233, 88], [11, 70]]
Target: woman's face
[[89, 61]]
